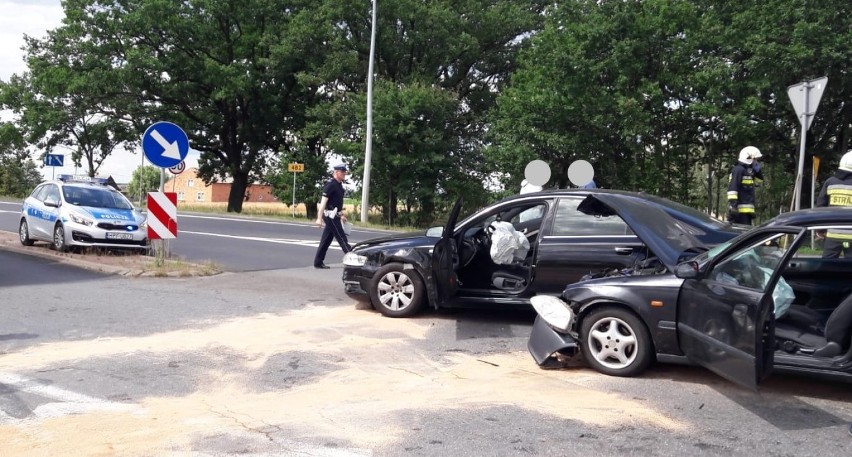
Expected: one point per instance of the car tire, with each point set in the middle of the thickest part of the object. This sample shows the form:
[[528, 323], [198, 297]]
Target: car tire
[[396, 291], [59, 243], [24, 233], [616, 342]]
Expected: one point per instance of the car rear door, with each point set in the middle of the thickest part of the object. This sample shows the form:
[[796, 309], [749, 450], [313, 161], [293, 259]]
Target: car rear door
[[725, 316], [445, 257], [574, 244]]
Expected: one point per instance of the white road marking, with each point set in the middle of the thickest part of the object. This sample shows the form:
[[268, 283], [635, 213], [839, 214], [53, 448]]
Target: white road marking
[[68, 402], [308, 243]]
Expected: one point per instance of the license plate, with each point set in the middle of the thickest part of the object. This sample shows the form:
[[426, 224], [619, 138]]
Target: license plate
[[119, 236]]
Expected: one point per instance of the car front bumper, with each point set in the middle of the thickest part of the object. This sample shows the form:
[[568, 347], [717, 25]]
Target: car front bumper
[[544, 341], [93, 236], [356, 282]]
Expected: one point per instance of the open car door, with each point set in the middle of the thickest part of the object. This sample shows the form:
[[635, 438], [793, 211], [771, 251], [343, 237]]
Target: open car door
[[725, 313], [445, 257]]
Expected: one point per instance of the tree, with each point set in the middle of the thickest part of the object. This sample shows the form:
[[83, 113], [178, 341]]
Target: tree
[[439, 66], [227, 72], [145, 179]]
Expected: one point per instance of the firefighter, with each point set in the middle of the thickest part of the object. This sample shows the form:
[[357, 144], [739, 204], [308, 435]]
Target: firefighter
[[741, 187], [837, 191]]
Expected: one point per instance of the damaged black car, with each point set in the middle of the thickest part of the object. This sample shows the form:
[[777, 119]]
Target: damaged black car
[[768, 300], [508, 252]]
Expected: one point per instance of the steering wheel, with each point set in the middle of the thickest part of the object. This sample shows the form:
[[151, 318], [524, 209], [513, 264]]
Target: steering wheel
[[473, 244]]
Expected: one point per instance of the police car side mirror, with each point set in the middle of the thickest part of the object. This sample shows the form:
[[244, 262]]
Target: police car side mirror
[[51, 201]]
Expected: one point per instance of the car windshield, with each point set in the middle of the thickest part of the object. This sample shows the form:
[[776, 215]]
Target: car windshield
[[95, 197], [711, 253]]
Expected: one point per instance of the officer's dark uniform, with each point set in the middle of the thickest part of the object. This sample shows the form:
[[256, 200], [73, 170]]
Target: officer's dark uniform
[[741, 194], [837, 191], [333, 228]]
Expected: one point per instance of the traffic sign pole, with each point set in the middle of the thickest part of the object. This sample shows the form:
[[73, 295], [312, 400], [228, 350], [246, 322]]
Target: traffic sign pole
[[803, 95]]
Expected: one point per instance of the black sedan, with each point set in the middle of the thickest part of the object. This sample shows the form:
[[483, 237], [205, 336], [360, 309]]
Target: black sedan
[[765, 300], [465, 264]]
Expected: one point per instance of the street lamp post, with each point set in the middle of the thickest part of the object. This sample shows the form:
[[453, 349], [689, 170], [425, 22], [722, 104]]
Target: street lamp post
[[365, 192]]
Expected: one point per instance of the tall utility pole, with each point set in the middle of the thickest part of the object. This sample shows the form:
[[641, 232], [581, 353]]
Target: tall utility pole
[[365, 192]]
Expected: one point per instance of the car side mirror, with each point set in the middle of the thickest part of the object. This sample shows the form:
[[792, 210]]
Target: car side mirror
[[51, 201], [435, 232], [686, 270]]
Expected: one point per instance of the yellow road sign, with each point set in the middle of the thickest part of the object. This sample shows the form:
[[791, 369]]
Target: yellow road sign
[[296, 167]]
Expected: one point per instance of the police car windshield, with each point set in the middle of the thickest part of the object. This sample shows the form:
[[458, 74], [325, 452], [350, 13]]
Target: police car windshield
[[94, 197]]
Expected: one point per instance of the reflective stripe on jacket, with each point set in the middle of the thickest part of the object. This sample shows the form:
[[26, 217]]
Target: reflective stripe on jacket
[[837, 191]]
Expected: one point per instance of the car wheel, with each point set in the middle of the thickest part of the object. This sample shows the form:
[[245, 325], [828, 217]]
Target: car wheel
[[59, 238], [396, 292], [616, 342], [24, 233]]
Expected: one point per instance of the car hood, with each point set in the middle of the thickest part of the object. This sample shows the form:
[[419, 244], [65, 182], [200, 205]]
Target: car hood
[[110, 214], [663, 234], [402, 240]]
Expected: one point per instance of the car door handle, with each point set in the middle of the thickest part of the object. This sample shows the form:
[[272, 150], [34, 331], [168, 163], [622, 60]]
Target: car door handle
[[624, 251]]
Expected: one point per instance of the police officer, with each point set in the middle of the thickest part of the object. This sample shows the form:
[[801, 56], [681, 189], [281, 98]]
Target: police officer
[[837, 191], [741, 187], [331, 214]]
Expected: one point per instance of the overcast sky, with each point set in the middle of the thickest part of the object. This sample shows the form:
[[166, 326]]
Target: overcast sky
[[34, 18]]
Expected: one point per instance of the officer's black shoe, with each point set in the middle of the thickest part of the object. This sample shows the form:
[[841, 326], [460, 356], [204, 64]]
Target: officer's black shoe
[[322, 266]]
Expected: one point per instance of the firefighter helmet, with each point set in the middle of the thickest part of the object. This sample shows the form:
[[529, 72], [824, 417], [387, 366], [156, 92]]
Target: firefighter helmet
[[748, 154], [846, 161]]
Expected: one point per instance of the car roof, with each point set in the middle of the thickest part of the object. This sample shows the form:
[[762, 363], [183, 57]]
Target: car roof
[[813, 216], [694, 216]]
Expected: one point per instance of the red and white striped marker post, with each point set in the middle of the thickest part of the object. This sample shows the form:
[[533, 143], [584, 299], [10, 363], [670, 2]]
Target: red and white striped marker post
[[162, 215]]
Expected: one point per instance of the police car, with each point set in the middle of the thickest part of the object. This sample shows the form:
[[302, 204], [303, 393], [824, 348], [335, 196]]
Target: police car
[[71, 212]]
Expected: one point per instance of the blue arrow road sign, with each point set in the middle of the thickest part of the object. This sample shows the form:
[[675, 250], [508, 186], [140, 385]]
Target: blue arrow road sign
[[54, 160], [165, 144]]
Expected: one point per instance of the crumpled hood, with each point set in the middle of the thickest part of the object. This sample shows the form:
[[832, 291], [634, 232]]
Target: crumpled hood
[[663, 234]]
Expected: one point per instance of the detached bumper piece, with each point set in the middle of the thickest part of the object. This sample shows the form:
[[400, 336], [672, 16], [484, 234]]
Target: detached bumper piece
[[544, 341]]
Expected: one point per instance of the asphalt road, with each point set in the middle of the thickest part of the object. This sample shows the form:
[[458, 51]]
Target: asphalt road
[[280, 362], [272, 358], [233, 242]]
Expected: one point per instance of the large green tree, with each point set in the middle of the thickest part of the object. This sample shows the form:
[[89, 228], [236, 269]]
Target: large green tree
[[226, 71], [438, 68], [660, 95]]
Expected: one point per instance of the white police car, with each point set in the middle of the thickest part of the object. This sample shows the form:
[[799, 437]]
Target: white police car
[[68, 213]]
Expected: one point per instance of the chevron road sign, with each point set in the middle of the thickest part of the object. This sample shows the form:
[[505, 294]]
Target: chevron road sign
[[162, 215]]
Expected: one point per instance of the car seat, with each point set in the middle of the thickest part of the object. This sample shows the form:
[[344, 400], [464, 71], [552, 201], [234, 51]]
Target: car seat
[[802, 329]]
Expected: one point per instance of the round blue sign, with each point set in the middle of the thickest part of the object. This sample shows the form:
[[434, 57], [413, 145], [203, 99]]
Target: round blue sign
[[165, 144]]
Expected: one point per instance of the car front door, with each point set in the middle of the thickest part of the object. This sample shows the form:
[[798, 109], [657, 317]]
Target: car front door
[[575, 244], [42, 216], [445, 257], [725, 314]]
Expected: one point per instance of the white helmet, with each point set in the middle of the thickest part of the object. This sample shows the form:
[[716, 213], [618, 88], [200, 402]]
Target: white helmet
[[846, 161], [748, 154]]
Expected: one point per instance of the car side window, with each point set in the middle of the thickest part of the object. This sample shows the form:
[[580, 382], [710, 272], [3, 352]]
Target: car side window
[[40, 192], [51, 191], [571, 222], [751, 267]]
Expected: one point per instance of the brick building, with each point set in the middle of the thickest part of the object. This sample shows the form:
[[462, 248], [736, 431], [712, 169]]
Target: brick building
[[191, 189]]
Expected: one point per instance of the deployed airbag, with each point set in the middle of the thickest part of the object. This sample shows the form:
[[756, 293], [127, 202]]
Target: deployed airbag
[[507, 244]]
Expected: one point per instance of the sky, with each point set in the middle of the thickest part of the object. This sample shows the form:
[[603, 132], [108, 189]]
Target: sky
[[35, 18]]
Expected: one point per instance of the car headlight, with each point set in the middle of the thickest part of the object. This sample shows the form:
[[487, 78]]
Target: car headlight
[[80, 219], [554, 311], [351, 259]]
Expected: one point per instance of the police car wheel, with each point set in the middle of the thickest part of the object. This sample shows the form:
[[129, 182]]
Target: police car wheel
[[59, 238], [24, 233]]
